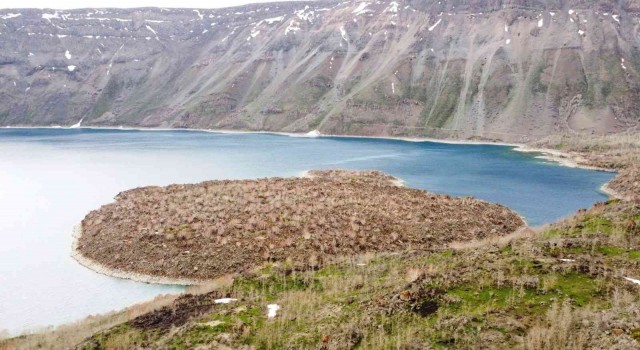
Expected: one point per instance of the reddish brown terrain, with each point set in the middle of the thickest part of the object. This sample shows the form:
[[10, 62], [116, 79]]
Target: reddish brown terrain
[[205, 230]]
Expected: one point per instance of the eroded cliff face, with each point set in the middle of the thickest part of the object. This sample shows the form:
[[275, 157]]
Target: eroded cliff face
[[511, 70]]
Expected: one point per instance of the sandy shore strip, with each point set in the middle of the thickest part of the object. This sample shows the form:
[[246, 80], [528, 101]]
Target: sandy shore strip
[[606, 189], [138, 277], [563, 158]]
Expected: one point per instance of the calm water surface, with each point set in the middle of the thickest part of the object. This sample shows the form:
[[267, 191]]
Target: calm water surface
[[51, 178]]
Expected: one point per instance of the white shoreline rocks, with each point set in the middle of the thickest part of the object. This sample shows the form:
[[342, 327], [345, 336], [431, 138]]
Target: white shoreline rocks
[[134, 276]]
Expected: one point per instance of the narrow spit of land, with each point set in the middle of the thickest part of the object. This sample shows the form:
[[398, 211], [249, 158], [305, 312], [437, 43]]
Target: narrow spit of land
[[202, 231]]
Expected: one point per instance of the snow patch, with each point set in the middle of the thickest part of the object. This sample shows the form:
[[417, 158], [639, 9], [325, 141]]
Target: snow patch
[[304, 15], [71, 68], [540, 22], [293, 27], [224, 300], [393, 7], [581, 32], [11, 15], [571, 12], [435, 25], [151, 30], [508, 41], [76, 125], [199, 14], [632, 280], [506, 28], [616, 18], [254, 33], [67, 54], [361, 9], [272, 310], [274, 19], [313, 133], [343, 32], [49, 16], [622, 64], [393, 88]]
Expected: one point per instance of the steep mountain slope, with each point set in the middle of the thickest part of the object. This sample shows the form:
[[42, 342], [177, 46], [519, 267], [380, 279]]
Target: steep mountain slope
[[512, 70]]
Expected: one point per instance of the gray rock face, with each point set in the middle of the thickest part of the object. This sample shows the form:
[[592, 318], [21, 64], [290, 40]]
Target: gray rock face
[[511, 70]]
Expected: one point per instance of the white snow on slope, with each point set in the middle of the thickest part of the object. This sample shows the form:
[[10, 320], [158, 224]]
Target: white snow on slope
[[393, 7], [11, 15], [540, 22], [304, 15], [67, 54], [71, 68], [49, 16], [361, 9], [343, 32], [435, 25], [293, 27], [254, 33], [152, 31], [274, 19], [77, 125]]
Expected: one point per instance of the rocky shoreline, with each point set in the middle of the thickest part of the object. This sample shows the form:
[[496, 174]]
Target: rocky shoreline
[[103, 269]]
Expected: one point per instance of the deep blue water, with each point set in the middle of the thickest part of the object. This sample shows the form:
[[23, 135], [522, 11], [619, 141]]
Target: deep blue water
[[50, 178]]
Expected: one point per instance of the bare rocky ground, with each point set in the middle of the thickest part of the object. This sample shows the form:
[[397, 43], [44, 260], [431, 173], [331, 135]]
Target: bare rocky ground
[[206, 230]]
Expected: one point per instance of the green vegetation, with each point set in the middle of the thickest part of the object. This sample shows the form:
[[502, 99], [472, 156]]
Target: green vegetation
[[446, 103], [108, 96], [517, 293], [537, 85]]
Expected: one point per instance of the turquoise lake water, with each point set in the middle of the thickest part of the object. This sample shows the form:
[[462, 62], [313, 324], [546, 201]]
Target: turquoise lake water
[[51, 178]]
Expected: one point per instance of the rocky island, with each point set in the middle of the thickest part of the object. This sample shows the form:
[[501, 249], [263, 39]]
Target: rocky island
[[188, 234]]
